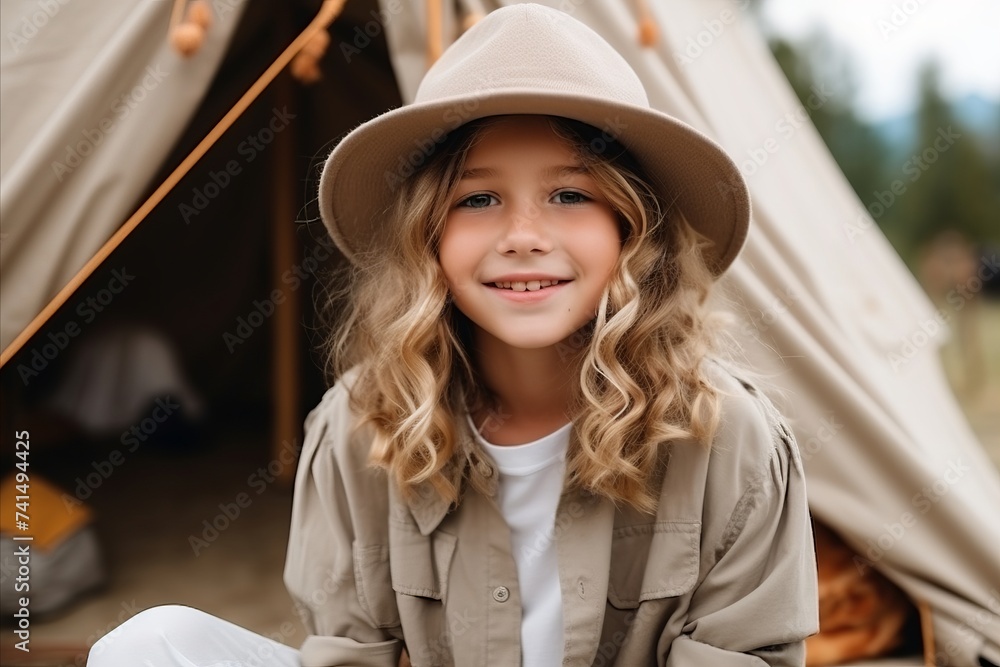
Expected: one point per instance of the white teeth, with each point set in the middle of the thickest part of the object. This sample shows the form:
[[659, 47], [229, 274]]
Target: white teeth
[[526, 286]]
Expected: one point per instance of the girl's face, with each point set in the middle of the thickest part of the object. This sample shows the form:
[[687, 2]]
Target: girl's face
[[529, 242]]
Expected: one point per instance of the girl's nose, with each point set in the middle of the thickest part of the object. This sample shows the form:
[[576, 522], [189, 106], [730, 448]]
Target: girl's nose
[[524, 232]]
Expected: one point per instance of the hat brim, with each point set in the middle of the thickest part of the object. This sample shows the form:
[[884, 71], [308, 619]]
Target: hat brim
[[362, 174]]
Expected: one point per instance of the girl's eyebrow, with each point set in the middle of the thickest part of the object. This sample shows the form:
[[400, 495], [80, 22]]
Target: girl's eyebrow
[[548, 172], [565, 170], [481, 172]]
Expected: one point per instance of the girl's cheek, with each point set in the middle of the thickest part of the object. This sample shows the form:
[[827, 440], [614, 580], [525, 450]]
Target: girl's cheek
[[450, 284]]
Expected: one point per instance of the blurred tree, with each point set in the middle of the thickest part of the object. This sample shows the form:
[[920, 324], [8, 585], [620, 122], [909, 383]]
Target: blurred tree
[[950, 182], [856, 146], [944, 181]]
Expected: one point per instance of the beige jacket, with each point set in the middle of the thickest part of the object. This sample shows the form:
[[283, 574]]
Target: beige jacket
[[723, 575]]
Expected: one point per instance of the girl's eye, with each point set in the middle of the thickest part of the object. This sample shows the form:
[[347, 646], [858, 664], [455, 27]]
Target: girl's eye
[[571, 197], [477, 201]]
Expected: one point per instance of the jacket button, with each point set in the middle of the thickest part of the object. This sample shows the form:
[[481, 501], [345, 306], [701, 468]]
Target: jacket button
[[501, 594]]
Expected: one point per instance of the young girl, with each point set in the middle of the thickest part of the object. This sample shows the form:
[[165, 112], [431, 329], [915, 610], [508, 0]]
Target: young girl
[[530, 456]]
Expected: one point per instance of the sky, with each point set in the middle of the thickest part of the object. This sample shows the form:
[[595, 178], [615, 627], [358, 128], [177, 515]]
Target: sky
[[889, 39]]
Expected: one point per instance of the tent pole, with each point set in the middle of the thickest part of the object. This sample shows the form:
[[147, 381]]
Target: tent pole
[[285, 347], [327, 13]]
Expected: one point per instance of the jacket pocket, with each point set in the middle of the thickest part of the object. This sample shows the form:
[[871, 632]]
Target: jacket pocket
[[374, 587], [655, 560], [419, 563]]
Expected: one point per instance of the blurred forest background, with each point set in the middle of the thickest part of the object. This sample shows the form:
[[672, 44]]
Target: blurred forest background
[[930, 178], [956, 191]]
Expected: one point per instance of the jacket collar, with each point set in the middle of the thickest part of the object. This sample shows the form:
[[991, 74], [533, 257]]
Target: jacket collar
[[470, 466], [428, 508]]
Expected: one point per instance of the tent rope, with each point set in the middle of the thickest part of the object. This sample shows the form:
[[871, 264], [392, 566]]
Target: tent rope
[[435, 31], [648, 31], [176, 13], [326, 15]]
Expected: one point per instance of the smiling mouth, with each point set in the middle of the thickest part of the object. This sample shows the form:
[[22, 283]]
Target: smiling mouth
[[528, 286]]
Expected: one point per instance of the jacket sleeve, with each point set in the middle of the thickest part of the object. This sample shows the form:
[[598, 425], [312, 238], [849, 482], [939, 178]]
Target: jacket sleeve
[[757, 599], [319, 566]]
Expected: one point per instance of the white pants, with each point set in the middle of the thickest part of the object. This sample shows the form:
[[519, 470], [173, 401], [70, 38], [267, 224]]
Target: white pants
[[178, 636]]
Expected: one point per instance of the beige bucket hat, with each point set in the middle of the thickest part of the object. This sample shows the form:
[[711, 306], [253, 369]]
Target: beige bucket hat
[[531, 59]]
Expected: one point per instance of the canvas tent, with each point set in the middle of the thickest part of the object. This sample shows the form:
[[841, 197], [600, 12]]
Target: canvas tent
[[828, 312]]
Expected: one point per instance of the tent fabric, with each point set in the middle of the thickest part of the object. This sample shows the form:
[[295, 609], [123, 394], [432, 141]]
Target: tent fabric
[[825, 309], [83, 135], [826, 312]]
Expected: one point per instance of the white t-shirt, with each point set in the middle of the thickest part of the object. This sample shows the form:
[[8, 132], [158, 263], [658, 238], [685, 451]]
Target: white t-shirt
[[531, 480]]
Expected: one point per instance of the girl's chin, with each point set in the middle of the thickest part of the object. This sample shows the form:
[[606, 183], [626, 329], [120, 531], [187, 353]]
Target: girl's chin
[[564, 340], [557, 342]]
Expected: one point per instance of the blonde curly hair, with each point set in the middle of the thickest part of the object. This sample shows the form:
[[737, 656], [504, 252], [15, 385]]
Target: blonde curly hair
[[639, 359]]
